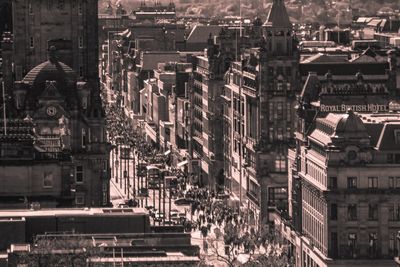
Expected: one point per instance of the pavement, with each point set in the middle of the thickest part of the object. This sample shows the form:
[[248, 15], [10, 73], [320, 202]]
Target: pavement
[[117, 195]]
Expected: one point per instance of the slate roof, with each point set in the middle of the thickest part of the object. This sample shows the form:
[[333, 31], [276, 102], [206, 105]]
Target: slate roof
[[17, 130], [335, 126], [346, 68], [370, 56], [325, 58], [382, 128], [51, 70], [200, 33], [278, 16]]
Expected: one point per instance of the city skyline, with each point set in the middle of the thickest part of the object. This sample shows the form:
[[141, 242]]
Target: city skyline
[[149, 136]]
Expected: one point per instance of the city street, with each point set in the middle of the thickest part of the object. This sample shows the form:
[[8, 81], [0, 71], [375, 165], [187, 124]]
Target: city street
[[215, 242], [119, 195]]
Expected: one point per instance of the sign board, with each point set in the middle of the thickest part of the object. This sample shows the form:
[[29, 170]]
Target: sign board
[[355, 108]]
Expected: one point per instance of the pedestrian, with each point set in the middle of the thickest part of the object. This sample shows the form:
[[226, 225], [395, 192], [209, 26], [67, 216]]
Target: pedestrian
[[205, 246]]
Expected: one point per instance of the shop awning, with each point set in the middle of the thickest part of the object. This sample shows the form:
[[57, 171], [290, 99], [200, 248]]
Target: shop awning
[[182, 163]]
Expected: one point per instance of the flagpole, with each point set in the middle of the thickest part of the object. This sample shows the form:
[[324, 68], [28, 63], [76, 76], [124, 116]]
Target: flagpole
[[240, 15]]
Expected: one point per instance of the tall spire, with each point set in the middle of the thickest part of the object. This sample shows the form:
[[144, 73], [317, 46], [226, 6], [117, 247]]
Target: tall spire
[[278, 16]]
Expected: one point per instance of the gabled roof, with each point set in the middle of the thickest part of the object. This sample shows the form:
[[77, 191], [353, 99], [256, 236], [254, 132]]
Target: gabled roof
[[278, 16], [200, 33], [369, 55], [375, 23], [325, 58], [310, 89]]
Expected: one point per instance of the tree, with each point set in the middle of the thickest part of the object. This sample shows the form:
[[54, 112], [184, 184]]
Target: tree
[[59, 250], [250, 248]]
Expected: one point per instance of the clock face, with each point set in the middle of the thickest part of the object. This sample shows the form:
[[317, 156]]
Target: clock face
[[51, 111]]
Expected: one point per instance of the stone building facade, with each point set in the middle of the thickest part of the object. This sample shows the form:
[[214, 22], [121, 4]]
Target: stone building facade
[[260, 95], [71, 26], [342, 183], [55, 123]]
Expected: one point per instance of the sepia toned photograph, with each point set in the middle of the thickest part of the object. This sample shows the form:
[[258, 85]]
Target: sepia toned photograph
[[199, 133]]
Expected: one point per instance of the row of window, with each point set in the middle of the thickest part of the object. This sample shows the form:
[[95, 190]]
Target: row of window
[[352, 245], [393, 158], [373, 208], [279, 134], [48, 177], [60, 4], [279, 70], [238, 126], [314, 212], [276, 111], [238, 104], [352, 182], [80, 197], [316, 172], [32, 42]]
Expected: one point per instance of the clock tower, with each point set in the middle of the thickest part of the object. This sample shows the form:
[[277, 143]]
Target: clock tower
[[279, 84]]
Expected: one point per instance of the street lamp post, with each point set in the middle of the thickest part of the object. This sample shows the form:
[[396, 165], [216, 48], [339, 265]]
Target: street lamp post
[[120, 166], [164, 194], [170, 203], [116, 163], [128, 179], [159, 197], [134, 172]]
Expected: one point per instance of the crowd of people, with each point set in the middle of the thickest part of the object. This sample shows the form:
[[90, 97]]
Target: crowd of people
[[217, 221], [210, 214]]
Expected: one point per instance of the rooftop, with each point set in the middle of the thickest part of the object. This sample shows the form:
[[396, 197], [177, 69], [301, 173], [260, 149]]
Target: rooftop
[[278, 16], [70, 212]]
